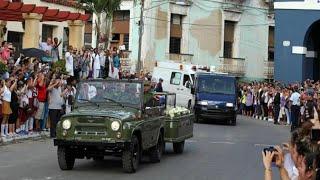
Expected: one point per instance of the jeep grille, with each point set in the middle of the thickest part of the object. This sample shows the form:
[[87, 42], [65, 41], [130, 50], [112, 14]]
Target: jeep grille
[[96, 131]]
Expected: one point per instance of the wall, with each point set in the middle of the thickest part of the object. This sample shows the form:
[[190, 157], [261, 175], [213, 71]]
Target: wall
[[292, 25]]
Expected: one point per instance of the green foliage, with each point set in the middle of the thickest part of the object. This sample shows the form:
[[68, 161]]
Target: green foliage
[[3, 68], [59, 67]]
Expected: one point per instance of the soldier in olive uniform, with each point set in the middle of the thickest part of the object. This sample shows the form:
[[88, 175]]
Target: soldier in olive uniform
[[148, 95]]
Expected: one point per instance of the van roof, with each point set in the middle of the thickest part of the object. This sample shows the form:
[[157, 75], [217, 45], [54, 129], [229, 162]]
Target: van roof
[[213, 74]]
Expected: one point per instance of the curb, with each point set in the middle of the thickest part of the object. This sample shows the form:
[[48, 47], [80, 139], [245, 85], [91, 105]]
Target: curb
[[22, 139]]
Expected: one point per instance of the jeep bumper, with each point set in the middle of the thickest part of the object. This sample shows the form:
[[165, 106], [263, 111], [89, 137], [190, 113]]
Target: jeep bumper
[[115, 146]]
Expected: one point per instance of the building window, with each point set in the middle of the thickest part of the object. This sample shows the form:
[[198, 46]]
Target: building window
[[228, 39], [176, 19], [87, 38], [175, 34], [121, 16], [175, 78], [126, 41], [47, 32], [175, 45], [115, 37], [271, 44]]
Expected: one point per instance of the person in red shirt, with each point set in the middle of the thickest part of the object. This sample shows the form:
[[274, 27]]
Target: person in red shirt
[[39, 102]]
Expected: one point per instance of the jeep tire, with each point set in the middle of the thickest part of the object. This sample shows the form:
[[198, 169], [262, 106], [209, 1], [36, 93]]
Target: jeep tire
[[131, 157], [178, 147], [157, 151], [66, 158]]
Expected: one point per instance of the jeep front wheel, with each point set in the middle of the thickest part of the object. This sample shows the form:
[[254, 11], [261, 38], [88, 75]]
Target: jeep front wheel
[[65, 158], [178, 147], [131, 157], [157, 151]]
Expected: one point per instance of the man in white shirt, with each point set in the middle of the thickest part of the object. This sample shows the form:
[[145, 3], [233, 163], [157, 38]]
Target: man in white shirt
[[46, 46], [69, 61], [295, 108]]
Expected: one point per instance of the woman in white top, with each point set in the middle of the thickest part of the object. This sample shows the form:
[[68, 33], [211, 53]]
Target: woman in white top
[[69, 61], [6, 90]]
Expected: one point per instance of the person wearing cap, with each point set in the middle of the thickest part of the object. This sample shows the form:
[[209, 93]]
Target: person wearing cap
[[159, 86]]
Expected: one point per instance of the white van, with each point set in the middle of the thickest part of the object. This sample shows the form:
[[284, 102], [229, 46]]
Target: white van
[[177, 78]]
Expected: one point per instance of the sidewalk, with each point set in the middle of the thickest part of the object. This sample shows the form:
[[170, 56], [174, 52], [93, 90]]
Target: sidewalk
[[20, 139]]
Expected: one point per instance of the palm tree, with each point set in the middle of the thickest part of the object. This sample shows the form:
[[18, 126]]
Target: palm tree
[[99, 8]]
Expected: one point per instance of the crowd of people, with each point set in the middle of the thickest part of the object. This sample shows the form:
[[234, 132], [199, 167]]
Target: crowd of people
[[283, 104], [34, 95], [297, 105]]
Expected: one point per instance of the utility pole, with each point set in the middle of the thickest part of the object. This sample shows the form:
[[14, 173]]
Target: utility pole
[[141, 24]]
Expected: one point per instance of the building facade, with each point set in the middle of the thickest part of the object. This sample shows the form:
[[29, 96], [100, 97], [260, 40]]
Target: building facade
[[15, 30], [232, 36], [298, 41]]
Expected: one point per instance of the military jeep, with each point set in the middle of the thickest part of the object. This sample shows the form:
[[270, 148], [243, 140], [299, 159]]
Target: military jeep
[[109, 118]]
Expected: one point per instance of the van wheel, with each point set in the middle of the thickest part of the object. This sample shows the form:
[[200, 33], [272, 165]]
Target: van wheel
[[131, 157], [233, 122], [65, 158], [178, 147], [196, 118]]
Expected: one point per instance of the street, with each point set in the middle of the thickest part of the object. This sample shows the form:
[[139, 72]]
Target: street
[[217, 151]]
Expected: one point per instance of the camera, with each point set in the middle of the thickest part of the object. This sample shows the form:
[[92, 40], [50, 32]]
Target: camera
[[270, 149], [315, 135]]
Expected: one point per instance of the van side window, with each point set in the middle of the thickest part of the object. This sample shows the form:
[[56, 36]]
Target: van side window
[[175, 78], [186, 80]]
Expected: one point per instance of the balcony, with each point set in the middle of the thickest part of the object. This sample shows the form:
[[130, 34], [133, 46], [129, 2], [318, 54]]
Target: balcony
[[182, 2], [269, 70], [180, 57], [233, 5], [233, 66]]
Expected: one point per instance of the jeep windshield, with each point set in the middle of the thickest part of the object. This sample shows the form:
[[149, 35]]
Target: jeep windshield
[[216, 85], [110, 92]]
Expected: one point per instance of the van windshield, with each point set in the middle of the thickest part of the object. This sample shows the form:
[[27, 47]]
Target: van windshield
[[216, 85]]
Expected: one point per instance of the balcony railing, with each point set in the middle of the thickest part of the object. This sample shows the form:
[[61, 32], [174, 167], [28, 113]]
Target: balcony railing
[[180, 57], [233, 66], [233, 5], [182, 2], [269, 70]]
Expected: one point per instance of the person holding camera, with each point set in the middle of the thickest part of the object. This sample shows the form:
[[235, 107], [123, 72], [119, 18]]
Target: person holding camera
[[55, 104], [274, 155]]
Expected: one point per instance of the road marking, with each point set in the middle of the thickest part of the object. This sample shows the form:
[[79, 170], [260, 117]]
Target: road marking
[[263, 145], [191, 141], [221, 142]]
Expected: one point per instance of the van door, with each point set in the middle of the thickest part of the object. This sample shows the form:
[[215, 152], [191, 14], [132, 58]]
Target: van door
[[185, 90]]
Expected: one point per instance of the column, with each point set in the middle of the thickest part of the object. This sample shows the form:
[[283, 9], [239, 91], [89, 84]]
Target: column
[[31, 30], [76, 33], [2, 33]]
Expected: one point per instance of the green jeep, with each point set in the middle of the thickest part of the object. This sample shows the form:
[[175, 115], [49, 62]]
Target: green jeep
[[109, 118]]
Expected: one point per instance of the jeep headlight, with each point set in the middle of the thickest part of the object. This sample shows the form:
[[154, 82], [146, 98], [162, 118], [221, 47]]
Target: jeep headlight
[[229, 105], [203, 103], [66, 124], [115, 125]]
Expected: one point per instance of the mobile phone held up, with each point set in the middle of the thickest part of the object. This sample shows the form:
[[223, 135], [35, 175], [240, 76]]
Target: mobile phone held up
[[315, 134], [270, 149]]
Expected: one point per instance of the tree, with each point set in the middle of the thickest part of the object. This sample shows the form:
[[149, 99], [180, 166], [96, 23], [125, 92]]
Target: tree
[[100, 8]]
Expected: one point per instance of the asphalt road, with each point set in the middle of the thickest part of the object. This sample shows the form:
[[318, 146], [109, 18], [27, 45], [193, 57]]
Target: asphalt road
[[217, 152]]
